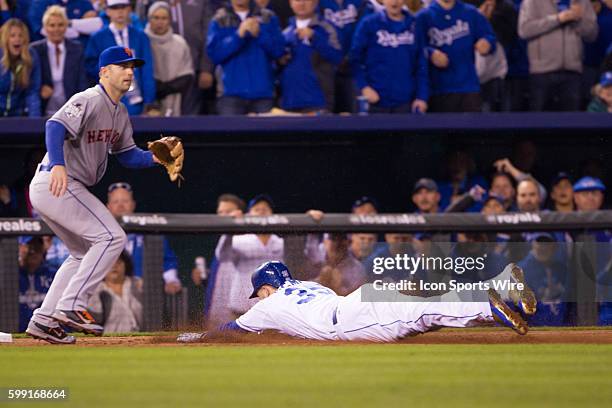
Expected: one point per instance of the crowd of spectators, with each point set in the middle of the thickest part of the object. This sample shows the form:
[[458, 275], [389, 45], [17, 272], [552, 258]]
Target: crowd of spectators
[[343, 262], [313, 56]]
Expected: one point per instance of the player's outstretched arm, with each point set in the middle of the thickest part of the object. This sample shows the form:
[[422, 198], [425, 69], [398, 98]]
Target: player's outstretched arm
[[137, 158], [223, 331]]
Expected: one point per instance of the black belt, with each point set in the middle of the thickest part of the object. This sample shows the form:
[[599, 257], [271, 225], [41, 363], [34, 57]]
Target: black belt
[[44, 167], [335, 317]]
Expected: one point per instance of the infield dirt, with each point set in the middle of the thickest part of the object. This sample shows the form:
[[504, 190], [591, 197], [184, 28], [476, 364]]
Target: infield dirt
[[464, 336]]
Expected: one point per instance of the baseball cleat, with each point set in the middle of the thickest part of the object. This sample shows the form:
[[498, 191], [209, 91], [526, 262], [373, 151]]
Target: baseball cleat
[[524, 299], [506, 316], [53, 335], [79, 320]]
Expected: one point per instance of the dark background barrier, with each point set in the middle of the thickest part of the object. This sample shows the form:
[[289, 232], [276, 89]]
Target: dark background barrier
[[327, 162]]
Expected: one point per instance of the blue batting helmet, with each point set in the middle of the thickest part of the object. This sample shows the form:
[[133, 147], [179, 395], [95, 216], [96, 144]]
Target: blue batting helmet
[[273, 273]]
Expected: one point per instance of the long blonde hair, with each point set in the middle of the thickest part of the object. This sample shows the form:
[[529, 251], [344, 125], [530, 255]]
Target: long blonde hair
[[22, 66]]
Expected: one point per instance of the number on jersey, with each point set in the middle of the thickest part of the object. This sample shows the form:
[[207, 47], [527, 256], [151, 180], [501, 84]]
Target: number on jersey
[[307, 293]]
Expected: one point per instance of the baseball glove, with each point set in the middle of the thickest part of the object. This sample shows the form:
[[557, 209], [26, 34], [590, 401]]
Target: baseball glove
[[169, 151]]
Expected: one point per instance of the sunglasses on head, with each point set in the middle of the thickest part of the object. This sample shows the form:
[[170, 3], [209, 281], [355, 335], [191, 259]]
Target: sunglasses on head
[[121, 184]]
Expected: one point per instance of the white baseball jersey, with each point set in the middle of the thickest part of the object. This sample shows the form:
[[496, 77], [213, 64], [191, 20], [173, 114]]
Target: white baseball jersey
[[300, 309], [312, 311]]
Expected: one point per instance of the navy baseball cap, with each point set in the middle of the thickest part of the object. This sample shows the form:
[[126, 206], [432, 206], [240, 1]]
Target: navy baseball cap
[[365, 200], [606, 79], [589, 184], [259, 198], [425, 183], [118, 55], [562, 175]]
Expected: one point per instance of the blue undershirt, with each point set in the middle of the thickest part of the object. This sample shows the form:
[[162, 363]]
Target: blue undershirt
[[55, 134]]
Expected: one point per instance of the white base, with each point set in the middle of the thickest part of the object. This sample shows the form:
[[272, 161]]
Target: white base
[[6, 338]]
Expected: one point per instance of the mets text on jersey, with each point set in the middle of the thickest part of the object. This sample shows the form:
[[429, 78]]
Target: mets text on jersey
[[103, 136]]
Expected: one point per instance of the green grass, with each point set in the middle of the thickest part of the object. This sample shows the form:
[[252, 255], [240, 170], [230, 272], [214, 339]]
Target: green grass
[[317, 376]]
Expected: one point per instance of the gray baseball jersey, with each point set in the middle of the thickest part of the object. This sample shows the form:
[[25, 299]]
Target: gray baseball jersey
[[96, 127]]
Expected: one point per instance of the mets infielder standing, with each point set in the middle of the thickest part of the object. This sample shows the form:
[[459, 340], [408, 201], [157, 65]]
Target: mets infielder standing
[[79, 137], [312, 311]]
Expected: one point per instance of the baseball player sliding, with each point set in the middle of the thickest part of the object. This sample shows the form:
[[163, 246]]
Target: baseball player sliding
[[79, 137], [309, 310]]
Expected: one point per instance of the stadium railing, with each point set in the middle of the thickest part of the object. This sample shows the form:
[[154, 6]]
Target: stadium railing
[[197, 226]]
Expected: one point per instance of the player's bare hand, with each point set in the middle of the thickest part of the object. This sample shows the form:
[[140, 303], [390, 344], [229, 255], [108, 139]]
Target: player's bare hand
[[46, 91], [59, 181], [482, 46], [172, 288], [191, 337], [370, 94], [419, 106], [305, 33], [439, 59], [316, 215], [5, 195], [205, 80]]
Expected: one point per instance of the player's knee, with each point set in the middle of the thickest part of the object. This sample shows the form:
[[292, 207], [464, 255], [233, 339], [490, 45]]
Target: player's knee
[[116, 238], [119, 239]]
